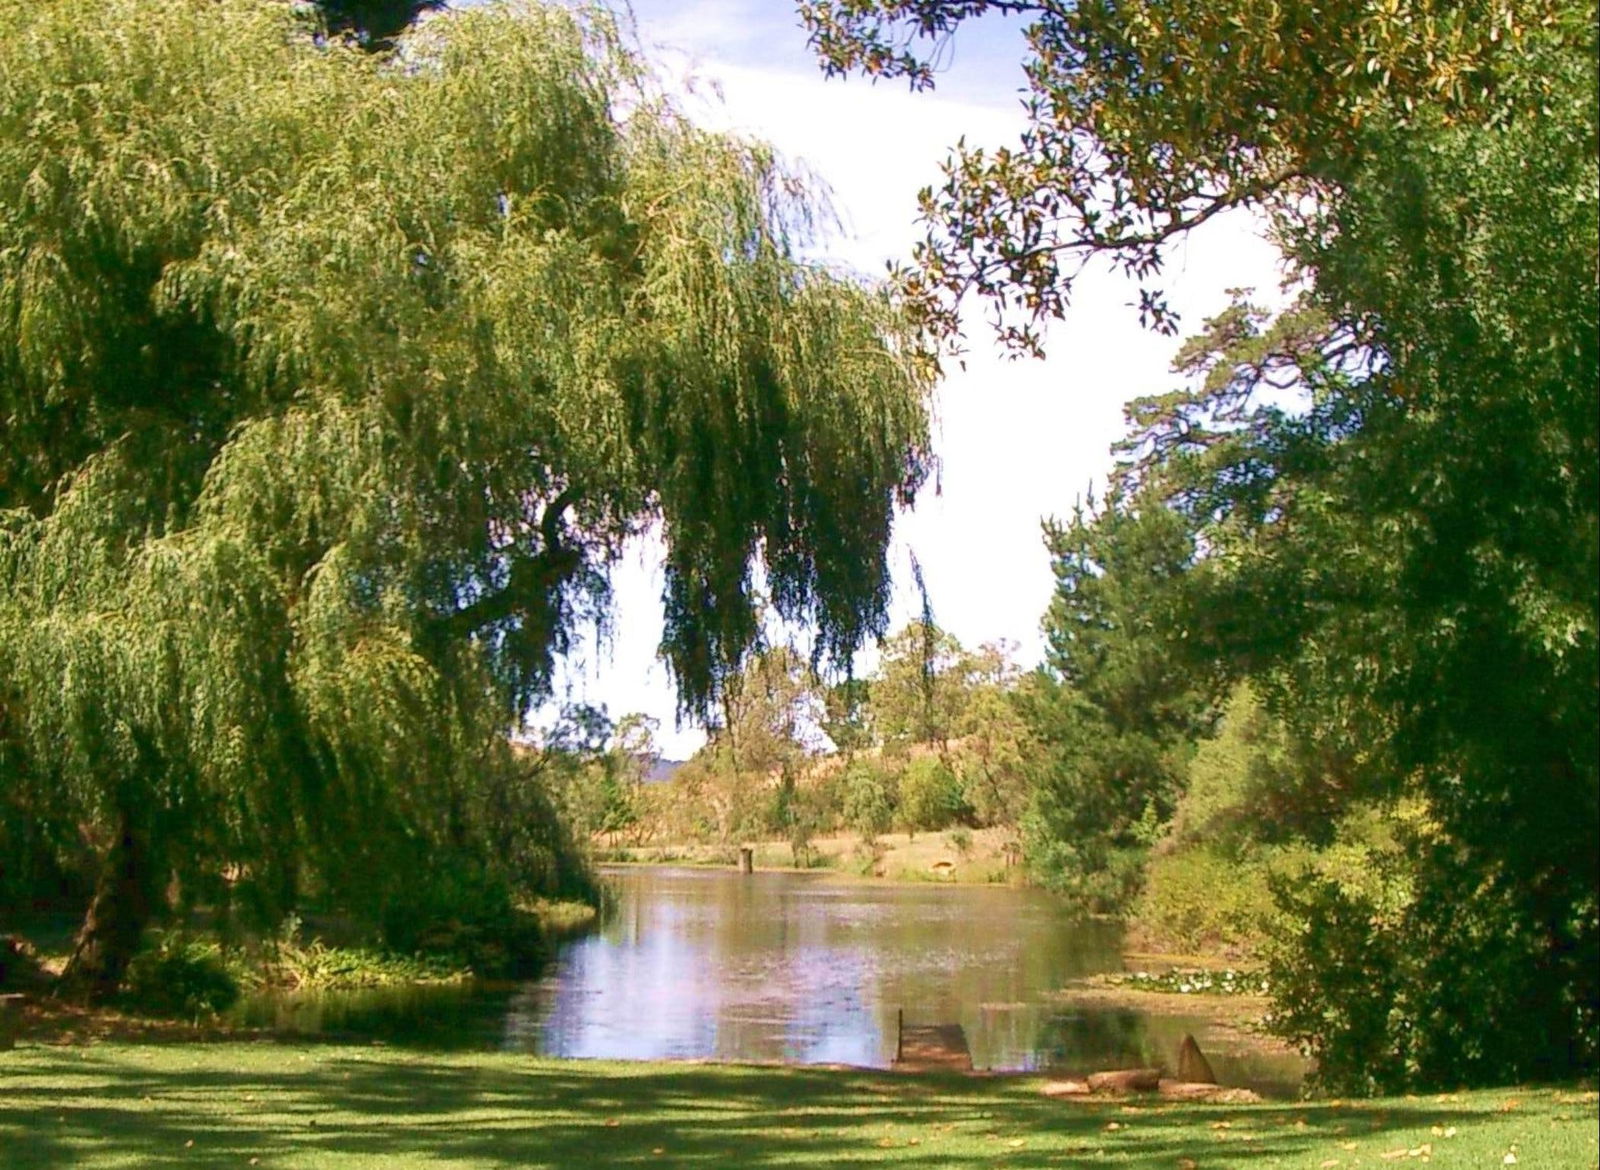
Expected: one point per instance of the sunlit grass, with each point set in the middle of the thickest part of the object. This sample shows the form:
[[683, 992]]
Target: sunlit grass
[[270, 1104], [965, 857], [562, 918]]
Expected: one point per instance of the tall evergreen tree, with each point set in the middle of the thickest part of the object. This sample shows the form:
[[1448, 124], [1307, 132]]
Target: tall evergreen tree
[[1115, 711]]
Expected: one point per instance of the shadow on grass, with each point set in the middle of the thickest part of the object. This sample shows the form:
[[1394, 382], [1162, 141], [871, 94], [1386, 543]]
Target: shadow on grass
[[293, 1106]]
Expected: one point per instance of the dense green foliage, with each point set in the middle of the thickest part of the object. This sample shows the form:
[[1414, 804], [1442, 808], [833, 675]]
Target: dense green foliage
[[1410, 568], [332, 383], [179, 977], [1392, 483], [1257, 811]]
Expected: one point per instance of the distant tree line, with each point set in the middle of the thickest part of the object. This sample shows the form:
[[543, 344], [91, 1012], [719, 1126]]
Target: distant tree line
[[932, 739]]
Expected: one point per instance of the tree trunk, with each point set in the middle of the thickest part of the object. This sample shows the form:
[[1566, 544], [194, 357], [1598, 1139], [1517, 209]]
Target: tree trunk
[[115, 922]]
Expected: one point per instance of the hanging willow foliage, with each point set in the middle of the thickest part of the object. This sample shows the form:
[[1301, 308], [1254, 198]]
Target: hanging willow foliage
[[331, 385]]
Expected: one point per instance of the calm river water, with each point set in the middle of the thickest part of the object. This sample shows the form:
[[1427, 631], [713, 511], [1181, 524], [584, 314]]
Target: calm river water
[[799, 967]]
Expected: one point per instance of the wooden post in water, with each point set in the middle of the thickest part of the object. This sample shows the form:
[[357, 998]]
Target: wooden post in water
[[747, 859], [899, 1033]]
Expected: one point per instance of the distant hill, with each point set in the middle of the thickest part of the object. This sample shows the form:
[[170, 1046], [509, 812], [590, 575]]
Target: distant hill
[[662, 771]]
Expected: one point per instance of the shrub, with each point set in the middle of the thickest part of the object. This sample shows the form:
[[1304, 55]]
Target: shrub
[[181, 977], [930, 795], [1335, 973], [1400, 968], [460, 911], [868, 798], [1093, 874], [1199, 899]]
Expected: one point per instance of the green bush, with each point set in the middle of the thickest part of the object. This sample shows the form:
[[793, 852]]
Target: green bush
[[1092, 874], [1335, 970], [1256, 810], [1400, 968], [463, 913], [1200, 899], [181, 977], [869, 805], [930, 795], [1219, 893]]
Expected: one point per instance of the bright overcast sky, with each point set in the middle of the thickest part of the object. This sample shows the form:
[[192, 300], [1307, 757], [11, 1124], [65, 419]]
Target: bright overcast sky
[[1017, 440]]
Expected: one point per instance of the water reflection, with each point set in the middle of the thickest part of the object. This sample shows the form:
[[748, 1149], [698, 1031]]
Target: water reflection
[[447, 1016], [798, 967]]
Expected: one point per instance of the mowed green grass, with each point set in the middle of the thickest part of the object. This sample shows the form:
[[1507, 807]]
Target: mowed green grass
[[312, 1106]]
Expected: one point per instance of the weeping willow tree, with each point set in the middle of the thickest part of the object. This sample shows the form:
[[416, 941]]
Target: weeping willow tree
[[332, 384]]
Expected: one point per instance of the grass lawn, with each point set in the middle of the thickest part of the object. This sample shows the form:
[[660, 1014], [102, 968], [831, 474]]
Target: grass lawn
[[279, 1105]]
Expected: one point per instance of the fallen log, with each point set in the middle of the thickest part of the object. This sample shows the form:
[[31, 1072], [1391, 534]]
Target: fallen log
[[1065, 1088], [1126, 1080]]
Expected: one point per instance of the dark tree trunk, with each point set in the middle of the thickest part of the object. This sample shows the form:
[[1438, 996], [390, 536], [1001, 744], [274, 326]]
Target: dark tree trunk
[[118, 913], [375, 22]]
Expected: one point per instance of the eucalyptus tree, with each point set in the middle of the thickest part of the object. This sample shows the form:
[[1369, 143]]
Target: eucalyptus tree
[[331, 385], [921, 688], [759, 746]]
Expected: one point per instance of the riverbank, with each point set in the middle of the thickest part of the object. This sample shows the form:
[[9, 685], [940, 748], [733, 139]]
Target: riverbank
[[190, 974], [1223, 1009], [328, 1108], [961, 856]]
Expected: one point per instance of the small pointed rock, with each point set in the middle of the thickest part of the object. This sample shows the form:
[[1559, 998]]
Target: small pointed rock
[[1193, 1065]]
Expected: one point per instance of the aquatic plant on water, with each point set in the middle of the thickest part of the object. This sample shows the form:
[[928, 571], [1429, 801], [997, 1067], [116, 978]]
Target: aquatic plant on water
[[1180, 981]]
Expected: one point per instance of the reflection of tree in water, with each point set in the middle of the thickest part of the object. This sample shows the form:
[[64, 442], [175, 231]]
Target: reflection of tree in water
[[1085, 1041], [442, 1017]]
